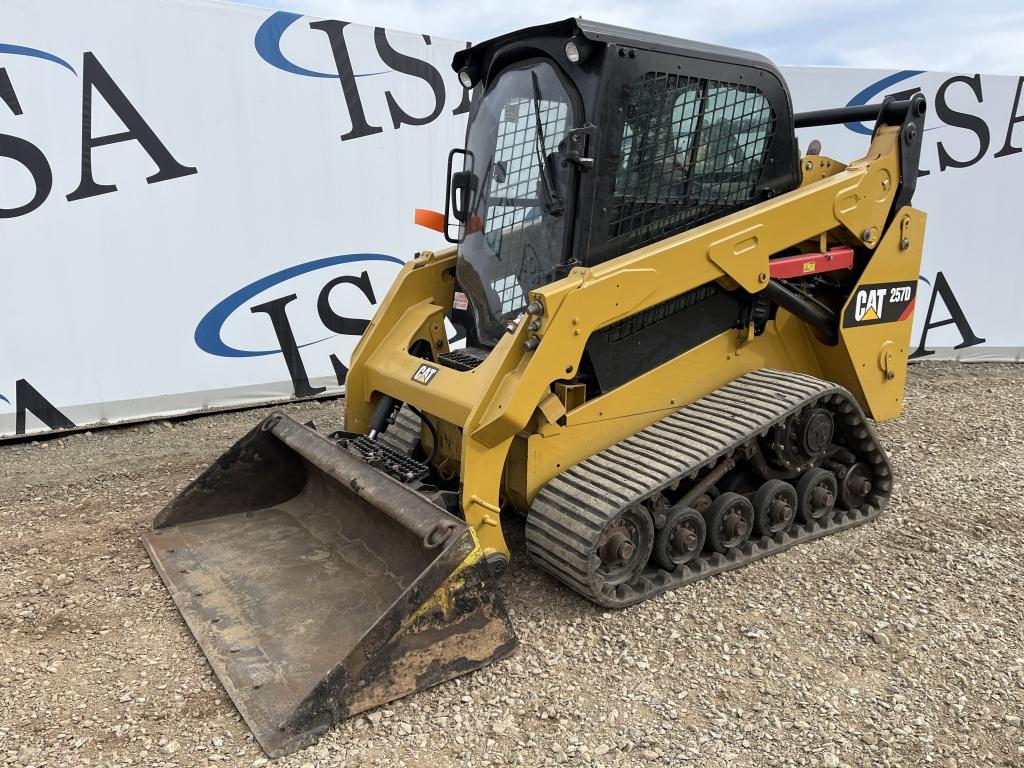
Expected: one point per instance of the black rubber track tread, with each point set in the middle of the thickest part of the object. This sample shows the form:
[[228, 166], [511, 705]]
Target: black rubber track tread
[[565, 522]]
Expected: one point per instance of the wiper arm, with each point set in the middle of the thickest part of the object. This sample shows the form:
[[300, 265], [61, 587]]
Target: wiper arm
[[553, 205]]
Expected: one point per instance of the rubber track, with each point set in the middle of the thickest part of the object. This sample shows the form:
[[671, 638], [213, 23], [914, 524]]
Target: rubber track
[[564, 525]]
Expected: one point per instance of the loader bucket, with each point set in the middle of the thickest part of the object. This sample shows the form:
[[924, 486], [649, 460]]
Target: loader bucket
[[319, 587]]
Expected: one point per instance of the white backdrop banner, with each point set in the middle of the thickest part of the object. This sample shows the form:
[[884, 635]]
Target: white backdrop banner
[[968, 183], [201, 203]]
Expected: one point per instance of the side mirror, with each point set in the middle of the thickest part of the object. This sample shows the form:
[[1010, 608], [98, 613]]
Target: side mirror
[[459, 193]]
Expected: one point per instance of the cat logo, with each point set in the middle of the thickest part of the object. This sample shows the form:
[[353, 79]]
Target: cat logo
[[870, 304], [880, 303], [810, 266], [424, 374]]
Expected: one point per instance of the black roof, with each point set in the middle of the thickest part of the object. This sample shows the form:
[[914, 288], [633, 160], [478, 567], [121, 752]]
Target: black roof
[[609, 33]]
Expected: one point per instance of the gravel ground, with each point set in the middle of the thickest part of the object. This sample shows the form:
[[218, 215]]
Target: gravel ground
[[896, 644]]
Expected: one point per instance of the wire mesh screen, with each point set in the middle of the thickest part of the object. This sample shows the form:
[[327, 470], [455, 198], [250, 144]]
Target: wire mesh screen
[[692, 151], [513, 203]]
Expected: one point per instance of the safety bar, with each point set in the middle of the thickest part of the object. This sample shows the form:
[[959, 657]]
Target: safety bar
[[890, 112]]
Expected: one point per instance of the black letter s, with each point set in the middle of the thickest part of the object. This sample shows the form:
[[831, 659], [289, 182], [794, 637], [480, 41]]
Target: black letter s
[[331, 319], [414, 67], [973, 123], [24, 152]]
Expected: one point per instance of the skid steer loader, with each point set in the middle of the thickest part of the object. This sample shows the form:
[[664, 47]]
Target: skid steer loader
[[676, 328]]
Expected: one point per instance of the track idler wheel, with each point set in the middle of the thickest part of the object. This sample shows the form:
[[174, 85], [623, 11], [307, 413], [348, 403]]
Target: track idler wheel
[[625, 545], [816, 430], [729, 519], [816, 494], [681, 538], [775, 505], [855, 485]]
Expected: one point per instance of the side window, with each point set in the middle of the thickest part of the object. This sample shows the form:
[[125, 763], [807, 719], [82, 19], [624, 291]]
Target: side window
[[692, 151], [684, 119], [733, 138], [512, 192]]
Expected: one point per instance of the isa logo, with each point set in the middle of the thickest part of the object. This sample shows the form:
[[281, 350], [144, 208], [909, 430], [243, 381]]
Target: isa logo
[[297, 323]]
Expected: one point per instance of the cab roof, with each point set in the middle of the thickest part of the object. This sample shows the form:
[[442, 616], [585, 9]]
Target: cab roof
[[611, 34]]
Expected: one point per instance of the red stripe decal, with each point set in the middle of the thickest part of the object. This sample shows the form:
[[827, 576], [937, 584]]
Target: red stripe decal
[[908, 311]]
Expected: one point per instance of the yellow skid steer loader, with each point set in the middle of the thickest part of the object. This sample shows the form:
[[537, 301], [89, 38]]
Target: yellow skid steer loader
[[676, 328]]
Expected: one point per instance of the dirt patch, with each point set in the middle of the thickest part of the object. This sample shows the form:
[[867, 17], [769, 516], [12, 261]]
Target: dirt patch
[[896, 644]]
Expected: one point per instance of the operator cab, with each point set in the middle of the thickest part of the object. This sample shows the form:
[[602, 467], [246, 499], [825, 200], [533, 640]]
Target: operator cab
[[587, 141]]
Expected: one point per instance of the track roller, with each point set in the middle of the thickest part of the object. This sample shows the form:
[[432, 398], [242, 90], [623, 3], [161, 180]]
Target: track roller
[[775, 506], [816, 494], [681, 538], [729, 520]]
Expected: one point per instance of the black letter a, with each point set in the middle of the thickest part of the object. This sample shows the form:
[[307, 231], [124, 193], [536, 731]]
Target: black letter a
[[27, 398], [95, 76], [956, 315]]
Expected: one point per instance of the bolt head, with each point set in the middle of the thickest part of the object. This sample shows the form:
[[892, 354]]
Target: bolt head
[[822, 498], [781, 511], [684, 540]]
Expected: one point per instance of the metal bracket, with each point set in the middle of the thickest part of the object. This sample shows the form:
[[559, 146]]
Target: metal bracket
[[745, 336], [575, 147], [551, 407], [904, 233], [887, 360]]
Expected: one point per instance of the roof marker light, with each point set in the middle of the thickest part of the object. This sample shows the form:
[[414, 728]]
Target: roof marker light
[[577, 49]]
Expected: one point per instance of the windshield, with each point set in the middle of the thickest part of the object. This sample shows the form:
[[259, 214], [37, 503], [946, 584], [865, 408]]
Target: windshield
[[512, 239]]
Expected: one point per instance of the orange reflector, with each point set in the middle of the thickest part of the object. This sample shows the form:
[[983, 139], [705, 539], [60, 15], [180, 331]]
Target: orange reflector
[[429, 219]]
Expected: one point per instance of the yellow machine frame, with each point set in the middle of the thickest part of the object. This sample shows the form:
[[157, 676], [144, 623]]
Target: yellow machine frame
[[519, 429]]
